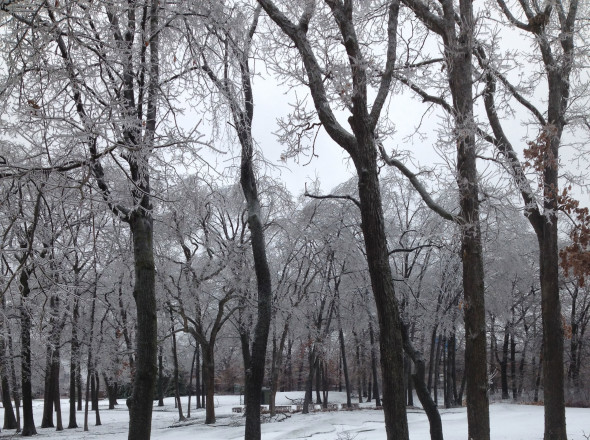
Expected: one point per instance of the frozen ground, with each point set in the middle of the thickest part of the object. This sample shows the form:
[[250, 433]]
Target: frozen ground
[[508, 422]]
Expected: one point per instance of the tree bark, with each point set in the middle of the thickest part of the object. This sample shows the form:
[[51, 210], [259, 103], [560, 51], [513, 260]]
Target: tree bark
[[209, 383]]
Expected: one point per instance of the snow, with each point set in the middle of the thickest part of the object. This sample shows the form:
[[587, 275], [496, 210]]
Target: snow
[[508, 422]]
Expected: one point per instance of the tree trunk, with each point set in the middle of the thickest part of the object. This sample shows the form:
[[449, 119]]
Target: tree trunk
[[430, 407], [318, 382], [198, 368], [553, 375], [96, 382], [56, 391], [112, 390], [436, 367], [309, 384], [28, 421], [458, 51], [9, 417], [15, 389], [74, 362], [141, 401], [160, 378], [513, 366], [48, 397], [209, 382], [190, 383], [93, 399], [504, 365], [432, 357], [374, 367], [345, 368], [181, 417]]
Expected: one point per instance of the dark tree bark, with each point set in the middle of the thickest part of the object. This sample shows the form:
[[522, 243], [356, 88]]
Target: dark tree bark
[[48, 397], [209, 383]]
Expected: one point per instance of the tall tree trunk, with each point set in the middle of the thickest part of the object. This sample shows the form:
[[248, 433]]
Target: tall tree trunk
[[25, 317], [458, 51], [345, 368]]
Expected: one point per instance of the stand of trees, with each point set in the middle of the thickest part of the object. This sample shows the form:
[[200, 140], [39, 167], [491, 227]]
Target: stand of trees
[[194, 277]]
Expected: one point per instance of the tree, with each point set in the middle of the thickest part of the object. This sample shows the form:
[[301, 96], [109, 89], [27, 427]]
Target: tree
[[234, 42], [552, 26], [361, 146]]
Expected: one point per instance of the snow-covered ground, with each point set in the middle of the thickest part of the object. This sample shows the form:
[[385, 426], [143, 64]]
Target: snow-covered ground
[[508, 422]]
